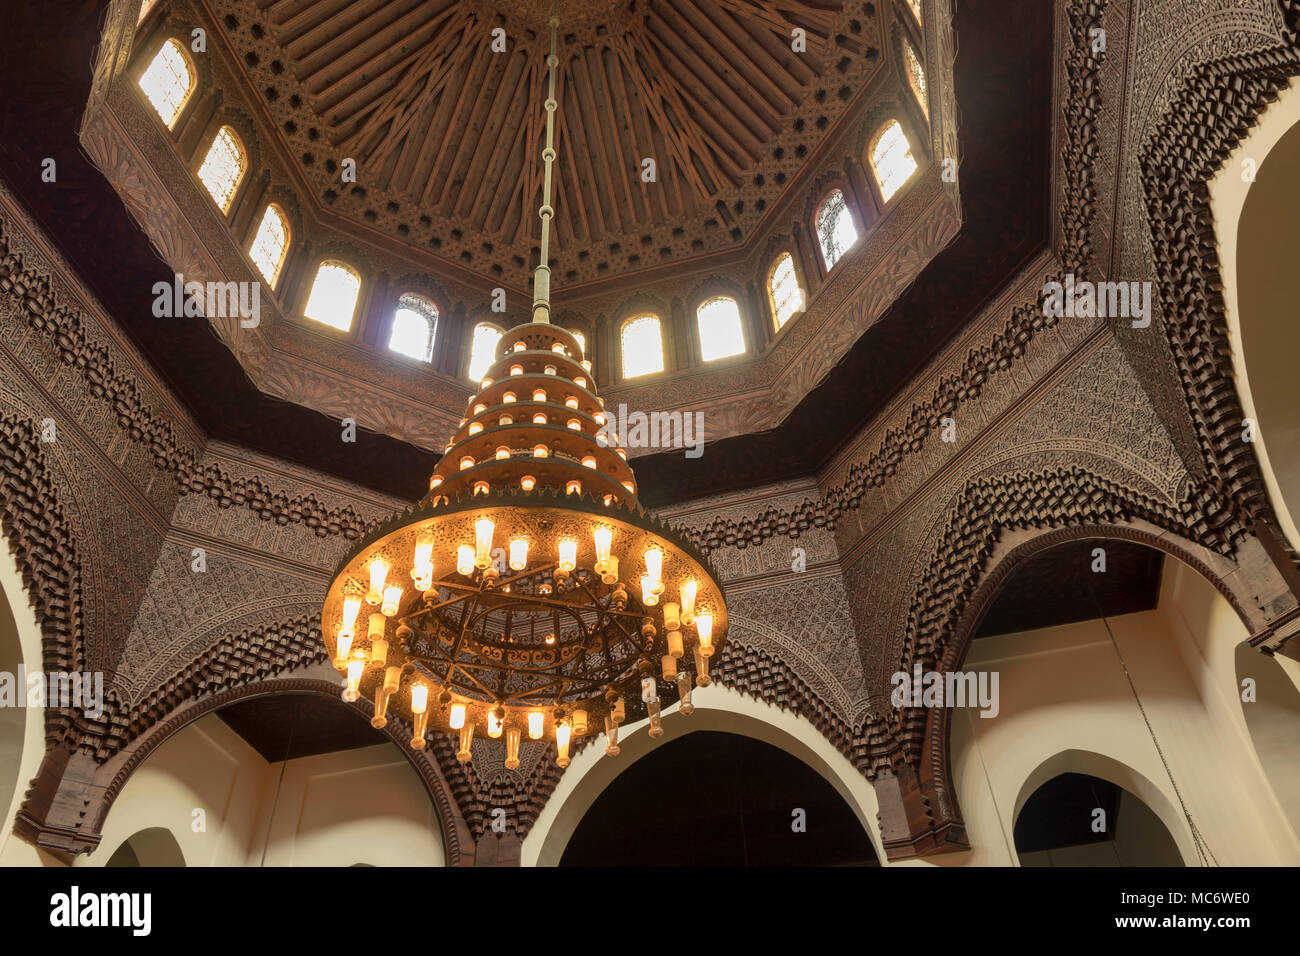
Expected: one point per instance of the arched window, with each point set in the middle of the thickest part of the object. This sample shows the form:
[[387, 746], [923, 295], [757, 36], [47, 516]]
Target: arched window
[[835, 229], [916, 9], [582, 340], [168, 81], [891, 159], [721, 332], [270, 244], [916, 76], [414, 325], [783, 292], [483, 349], [334, 295], [642, 346], [223, 167]]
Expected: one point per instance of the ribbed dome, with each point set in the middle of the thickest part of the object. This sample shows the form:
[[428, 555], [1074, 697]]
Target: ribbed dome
[[536, 416]]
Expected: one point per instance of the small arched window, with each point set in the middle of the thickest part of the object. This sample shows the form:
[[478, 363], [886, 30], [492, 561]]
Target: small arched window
[[168, 81], [642, 346], [414, 324], [270, 244], [722, 333], [891, 159], [916, 76], [483, 349], [334, 295], [582, 340], [835, 229], [223, 167], [783, 292]]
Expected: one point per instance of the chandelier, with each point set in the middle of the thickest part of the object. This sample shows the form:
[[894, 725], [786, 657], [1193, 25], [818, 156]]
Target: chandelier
[[528, 593]]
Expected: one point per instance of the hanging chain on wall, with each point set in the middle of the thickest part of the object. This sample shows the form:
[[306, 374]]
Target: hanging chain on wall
[[1203, 852]]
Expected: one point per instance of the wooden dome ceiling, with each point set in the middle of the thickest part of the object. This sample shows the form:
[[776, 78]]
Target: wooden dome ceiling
[[447, 133]]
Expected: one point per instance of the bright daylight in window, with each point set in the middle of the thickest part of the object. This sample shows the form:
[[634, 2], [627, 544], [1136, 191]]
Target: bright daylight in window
[[643, 349], [786, 296], [222, 168], [483, 350], [167, 81], [835, 228], [892, 160], [270, 245], [721, 333], [414, 324], [334, 294]]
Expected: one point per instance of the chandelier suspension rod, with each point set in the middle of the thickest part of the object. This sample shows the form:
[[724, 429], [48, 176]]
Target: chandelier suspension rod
[[542, 277]]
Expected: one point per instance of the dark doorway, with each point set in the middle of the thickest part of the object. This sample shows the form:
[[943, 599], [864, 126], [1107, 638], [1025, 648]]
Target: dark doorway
[[1079, 820], [718, 799]]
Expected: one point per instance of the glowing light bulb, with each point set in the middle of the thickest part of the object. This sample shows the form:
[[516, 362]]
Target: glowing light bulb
[[466, 738], [684, 693], [704, 628], [456, 719], [611, 732], [562, 732], [669, 664], [351, 607], [672, 619], [675, 646], [518, 554], [378, 574], [422, 566], [611, 571], [688, 600], [420, 708], [536, 725], [465, 560], [378, 643], [483, 529], [579, 723], [392, 599], [356, 667], [342, 647], [495, 724], [654, 564], [701, 670], [568, 554], [604, 538], [648, 596], [512, 748]]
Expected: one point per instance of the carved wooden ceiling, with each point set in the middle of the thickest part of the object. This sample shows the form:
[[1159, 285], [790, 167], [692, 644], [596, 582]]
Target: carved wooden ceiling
[[444, 117]]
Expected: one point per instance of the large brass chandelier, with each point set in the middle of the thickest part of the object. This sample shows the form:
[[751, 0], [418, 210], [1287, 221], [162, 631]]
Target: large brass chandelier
[[528, 594]]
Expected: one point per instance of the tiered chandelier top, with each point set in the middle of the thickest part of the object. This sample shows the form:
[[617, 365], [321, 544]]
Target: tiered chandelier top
[[528, 594]]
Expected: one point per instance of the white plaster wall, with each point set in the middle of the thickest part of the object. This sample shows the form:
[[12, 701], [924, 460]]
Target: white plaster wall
[[1064, 689], [1228, 192], [357, 806], [22, 729]]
